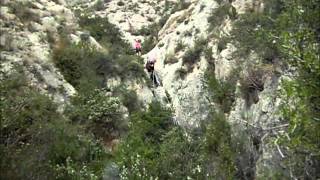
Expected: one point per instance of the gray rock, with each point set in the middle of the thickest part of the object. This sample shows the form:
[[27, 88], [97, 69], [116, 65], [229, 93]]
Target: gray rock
[[111, 172]]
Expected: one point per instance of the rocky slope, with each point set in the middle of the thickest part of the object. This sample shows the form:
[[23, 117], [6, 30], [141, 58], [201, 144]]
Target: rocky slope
[[188, 94], [29, 27], [26, 31]]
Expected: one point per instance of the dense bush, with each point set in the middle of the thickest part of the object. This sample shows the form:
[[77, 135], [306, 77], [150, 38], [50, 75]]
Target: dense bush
[[86, 68], [181, 73], [219, 148], [192, 55], [129, 98], [37, 142], [100, 113], [298, 40], [120, 3], [217, 17], [22, 9], [99, 5], [250, 34], [288, 32], [137, 155], [171, 59], [180, 46], [156, 148], [222, 91], [149, 44], [106, 34], [76, 62], [222, 43]]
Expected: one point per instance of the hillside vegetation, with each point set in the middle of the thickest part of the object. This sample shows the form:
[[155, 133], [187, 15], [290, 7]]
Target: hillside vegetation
[[106, 132]]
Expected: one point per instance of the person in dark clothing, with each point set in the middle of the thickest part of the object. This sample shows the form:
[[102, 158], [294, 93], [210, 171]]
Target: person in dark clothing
[[150, 68]]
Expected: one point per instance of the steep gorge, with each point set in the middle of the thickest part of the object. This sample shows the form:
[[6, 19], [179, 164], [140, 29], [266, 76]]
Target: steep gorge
[[197, 62]]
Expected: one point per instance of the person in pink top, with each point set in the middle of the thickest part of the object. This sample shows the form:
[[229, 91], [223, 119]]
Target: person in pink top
[[137, 46]]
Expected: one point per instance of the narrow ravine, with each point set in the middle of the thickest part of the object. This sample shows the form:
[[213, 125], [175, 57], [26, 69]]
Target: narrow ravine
[[238, 98]]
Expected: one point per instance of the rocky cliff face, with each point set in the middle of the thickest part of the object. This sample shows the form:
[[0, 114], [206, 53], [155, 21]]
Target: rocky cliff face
[[29, 27], [29, 30], [185, 86]]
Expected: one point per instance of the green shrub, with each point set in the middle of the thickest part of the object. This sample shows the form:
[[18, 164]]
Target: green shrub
[[106, 34], [298, 41], [220, 14], [149, 44], [145, 133], [77, 63], [155, 148], [250, 35], [180, 46], [222, 44], [129, 98], [223, 92], [100, 113], [120, 3], [99, 5], [192, 56], [23, 11], [86, 68], [219, 148], [181, 73], [208, 54], [38, 142], [171, 59]]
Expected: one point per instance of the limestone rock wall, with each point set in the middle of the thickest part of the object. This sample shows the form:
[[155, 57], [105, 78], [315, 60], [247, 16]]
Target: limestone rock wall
[[188, 95], [25, 41], [29, 30], [26, 29]]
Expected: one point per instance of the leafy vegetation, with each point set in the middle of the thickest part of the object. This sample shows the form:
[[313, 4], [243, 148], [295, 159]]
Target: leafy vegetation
[[225, 10], [22, 9], [223, 91], [181, 73], [106, 34], [128, 97], [252, 82], [99, 5], [287, 33], [298, 38], [120, 3], [156, 148], [192, 55], [101, 114], [171, 59], [251, 33], [180, 46], [86, 67], [38, 142]]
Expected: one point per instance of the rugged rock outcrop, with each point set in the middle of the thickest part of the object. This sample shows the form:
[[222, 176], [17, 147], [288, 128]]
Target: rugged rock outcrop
[[29, 29], [188, 94], [30, 26]]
